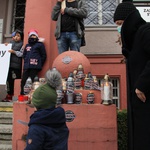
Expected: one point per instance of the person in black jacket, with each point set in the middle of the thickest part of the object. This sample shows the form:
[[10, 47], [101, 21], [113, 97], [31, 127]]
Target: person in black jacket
[[34, 56], [135, 36], [47, 125], [15, 67]]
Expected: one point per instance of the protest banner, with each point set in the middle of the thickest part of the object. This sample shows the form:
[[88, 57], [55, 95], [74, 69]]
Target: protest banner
[[4, 62]]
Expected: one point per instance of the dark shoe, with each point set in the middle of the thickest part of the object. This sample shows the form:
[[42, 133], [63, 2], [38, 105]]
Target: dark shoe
[[8, 98]]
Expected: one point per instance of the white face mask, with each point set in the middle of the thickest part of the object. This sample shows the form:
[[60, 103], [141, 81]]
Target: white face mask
[[119, 28]]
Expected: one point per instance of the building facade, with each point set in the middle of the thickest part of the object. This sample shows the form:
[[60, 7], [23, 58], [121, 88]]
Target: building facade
[[101, 35]]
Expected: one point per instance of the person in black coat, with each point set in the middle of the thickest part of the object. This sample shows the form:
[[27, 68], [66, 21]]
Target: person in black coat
[[135, 36], [34, 57], [47, 125]]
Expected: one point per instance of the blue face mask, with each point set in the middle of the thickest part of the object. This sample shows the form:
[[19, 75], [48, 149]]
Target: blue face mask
[[119, 29]]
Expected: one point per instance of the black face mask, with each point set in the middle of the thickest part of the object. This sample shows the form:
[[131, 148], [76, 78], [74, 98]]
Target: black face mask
[[32, 40]]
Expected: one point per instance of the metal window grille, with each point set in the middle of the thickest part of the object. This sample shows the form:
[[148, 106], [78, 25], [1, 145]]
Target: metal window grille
[[100, 12], [116, 90], [19, 14], [116, 94]]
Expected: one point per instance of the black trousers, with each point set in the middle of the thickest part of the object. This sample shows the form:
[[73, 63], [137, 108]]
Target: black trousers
[[12, 75], [28, 73]]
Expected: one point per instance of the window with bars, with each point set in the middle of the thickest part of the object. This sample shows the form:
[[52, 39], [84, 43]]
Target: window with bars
[[100, 12], [116, 90], [19, 14]]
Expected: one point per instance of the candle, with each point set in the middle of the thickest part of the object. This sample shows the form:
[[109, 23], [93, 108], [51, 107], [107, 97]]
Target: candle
[[106, 92]]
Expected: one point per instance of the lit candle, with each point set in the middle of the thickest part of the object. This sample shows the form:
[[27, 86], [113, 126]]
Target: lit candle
[[106, 91]]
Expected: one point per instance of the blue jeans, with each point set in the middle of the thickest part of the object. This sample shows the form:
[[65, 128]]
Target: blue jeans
[[68, 40]]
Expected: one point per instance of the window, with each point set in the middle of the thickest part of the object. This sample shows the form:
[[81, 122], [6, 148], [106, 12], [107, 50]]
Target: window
[[19, 14], [115, 82], [100, 12], [116, 89]]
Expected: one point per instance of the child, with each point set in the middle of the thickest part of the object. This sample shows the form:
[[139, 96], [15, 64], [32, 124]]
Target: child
[[15, 63], [47, 126], [34, 56]]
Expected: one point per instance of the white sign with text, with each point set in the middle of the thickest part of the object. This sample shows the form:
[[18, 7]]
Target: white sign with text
[[4, 62], [145, 12]]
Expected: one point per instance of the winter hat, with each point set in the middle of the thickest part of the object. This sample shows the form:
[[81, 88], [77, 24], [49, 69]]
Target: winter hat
[[13, 34], [123, 10], [20, 32], [44, 97], [33, 32]]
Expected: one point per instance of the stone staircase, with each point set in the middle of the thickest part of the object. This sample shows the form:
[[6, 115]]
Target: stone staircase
[[6, 116]]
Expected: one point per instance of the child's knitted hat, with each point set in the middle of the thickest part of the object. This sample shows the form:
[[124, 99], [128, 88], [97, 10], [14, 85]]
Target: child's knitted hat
[[44, 97]]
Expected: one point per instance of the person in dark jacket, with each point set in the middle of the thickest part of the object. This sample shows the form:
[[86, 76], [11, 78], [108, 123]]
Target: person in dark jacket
[[47, 125], [135, 36], [15, 67], [69, 15], [34, 56]]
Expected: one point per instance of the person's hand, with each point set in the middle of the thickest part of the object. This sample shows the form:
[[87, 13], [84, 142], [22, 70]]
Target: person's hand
[[62, 11], [11, 51], [140, 95], [6, 44]]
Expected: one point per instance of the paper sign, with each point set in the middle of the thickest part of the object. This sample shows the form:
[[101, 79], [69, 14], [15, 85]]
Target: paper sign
[[145, 12], [63, 4], [4, 62]]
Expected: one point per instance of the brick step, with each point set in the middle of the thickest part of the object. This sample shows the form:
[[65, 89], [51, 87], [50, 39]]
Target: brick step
[[6, 106], [5, 142], [5, 129], [6, 117], [5, 137], [5, 146]]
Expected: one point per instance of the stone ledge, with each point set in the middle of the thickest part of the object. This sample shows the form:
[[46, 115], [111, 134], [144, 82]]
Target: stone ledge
[[5, 147], [5, 120], [6, 137], [5, 128], [6, 104], [6, 115]]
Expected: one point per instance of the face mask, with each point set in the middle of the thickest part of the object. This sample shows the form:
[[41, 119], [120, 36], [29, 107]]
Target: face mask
[[119, 29], [32, 40]]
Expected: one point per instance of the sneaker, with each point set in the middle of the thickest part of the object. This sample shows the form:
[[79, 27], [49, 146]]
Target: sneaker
[[8, 98]]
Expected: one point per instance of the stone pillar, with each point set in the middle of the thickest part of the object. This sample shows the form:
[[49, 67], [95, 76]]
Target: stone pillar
[[38, 16]]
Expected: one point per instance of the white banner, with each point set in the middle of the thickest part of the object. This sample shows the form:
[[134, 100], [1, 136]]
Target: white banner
[[4, 62]]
